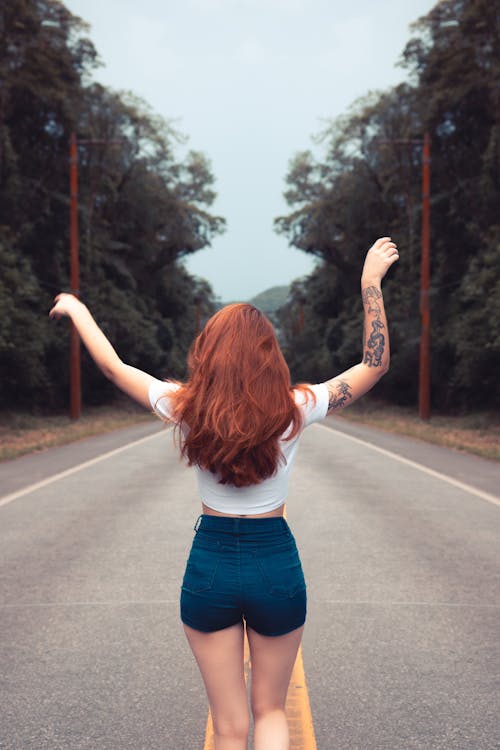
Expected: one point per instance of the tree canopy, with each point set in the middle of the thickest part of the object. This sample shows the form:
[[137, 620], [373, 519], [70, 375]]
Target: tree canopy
[[367, 183], [142, 208]]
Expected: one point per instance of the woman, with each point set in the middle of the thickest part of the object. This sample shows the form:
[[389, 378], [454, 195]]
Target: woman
[[239, 422]]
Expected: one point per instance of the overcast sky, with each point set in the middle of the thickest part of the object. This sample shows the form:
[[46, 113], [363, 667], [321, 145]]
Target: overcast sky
[[249, 81]]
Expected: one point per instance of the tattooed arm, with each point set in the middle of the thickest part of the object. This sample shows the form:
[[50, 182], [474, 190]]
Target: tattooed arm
[[375, 337], [354, 383]]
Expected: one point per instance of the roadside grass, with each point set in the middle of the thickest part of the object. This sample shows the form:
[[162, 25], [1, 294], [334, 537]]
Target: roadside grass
[[22, 433], [476, 432]]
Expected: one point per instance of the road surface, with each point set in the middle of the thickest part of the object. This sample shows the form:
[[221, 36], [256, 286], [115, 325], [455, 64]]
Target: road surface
[[401, 647]]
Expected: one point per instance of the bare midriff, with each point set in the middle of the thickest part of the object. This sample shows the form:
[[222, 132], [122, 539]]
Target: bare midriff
[[270, 514]]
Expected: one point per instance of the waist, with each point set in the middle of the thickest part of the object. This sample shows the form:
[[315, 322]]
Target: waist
[[274, 513], [269, 525]]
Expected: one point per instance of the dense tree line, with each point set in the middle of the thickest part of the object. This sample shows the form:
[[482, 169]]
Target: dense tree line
[[368, 184], [141, 210]]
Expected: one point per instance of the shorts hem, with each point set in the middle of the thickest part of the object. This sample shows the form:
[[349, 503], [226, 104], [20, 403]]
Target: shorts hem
[[209, 630], [277, 634]]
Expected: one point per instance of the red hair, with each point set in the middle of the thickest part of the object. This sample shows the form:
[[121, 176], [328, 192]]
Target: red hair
[[238, 400]]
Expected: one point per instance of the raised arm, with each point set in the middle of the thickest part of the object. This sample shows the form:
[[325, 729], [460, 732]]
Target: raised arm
[[351, 384], [129, 379]]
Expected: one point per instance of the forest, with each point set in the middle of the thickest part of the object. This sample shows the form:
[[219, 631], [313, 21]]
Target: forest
[[144, 204], [142, 208], [366, 182]]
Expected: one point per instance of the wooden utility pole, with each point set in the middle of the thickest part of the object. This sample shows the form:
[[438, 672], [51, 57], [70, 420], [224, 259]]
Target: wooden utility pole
[[75, 377], [424, 389], [424, 375], [75, 367]]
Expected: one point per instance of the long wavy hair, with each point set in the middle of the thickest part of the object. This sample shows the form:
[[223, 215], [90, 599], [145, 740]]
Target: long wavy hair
[[238, 400]]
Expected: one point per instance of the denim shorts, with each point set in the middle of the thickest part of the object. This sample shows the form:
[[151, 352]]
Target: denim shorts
[[243, 568]]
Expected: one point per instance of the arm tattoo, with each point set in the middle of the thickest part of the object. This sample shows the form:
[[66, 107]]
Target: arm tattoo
[[371, 292], [338, 392], [373, 349]]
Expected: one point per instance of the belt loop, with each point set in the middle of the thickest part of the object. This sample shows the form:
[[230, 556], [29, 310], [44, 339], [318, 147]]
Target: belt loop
[[197, 524]]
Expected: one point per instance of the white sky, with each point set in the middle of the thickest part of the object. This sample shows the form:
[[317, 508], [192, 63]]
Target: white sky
[[249, 81]]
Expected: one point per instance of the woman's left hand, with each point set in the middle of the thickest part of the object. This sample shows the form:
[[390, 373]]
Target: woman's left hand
[[65, 304]]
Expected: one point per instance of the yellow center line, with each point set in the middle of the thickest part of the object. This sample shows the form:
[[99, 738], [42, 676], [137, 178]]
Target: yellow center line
[[297, 707], [209, 731]]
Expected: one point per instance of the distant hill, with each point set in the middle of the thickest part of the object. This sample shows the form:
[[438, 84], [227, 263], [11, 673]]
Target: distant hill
[[271, 299], [269, 302]]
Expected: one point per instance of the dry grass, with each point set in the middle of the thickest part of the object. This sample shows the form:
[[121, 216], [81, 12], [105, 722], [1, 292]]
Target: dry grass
[[22, 433], [477, 432]]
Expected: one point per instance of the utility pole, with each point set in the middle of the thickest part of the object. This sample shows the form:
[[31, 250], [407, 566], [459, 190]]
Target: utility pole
[[75, 362], [75, 368], [424, 390]]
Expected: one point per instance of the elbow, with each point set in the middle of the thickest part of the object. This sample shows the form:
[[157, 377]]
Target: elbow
[[377, 368], [108, 373], [384, 368], [111, 371]]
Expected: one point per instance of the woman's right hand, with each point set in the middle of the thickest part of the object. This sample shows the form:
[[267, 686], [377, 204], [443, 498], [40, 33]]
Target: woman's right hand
[[379, 258], [65, 304]]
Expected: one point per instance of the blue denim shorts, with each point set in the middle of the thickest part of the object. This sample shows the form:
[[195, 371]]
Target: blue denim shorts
[[243, 568]]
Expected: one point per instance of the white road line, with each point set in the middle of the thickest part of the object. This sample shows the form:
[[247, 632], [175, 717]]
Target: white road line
[[431, 472], [74, 469], [437, 474], [368, 603]]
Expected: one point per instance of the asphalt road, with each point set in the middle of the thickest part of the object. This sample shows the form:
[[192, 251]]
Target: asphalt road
[[401, 646]]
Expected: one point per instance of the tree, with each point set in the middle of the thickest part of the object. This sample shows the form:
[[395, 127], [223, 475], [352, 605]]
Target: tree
[[368, 184], [142, 208]]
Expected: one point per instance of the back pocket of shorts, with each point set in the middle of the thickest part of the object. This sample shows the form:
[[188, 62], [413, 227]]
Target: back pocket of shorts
[[281, 570], [201, 570]]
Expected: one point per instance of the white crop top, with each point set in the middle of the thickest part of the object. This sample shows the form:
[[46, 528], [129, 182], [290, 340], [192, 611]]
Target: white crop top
[[268, 494]]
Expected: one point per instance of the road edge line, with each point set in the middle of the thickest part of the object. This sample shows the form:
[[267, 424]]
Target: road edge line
[[425, 469], [74, 469]]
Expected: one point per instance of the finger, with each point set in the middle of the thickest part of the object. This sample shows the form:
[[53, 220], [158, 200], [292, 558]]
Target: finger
[[381, 241]]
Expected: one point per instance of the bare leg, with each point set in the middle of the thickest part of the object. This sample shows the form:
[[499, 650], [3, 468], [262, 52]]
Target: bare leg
[[272, 660], [220, 659]]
